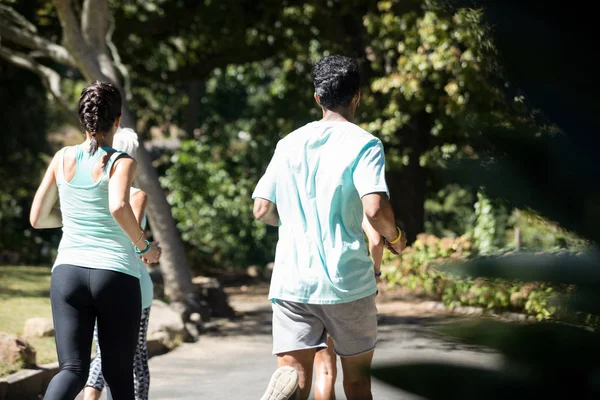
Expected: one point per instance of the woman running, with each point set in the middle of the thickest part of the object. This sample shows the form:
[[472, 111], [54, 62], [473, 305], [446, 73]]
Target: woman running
[[96, 273], [126, 140]]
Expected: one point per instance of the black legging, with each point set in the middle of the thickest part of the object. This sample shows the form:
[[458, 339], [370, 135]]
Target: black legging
[[79, 296]]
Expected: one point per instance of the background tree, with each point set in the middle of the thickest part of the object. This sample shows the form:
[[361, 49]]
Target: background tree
[[551, 174], [434, 83], [25, 118], [89, 51], [160, 58]]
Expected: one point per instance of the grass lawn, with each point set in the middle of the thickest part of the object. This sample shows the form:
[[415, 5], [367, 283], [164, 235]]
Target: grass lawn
[[25, 293]]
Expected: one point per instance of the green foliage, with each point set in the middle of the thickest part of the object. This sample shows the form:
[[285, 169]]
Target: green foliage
[[490, 224], [210, 180], [538, 233], [449, 211], [23, 118], [554, 176], [419, 271], [431, 65], [209, 189]]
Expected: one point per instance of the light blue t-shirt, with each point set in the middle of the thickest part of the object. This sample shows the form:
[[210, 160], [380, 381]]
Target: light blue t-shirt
[[316, 178]]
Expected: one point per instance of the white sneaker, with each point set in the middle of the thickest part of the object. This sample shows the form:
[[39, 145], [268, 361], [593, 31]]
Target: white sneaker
[[283, 384]]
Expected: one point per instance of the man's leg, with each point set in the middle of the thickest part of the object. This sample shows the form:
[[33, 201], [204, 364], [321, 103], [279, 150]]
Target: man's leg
[[325, 372], [357, 380], [297, 334], [353, 328], [302, 361]]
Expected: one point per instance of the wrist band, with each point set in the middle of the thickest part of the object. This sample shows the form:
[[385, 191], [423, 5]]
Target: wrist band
[[398, 238], [378, 274], [140, 252]]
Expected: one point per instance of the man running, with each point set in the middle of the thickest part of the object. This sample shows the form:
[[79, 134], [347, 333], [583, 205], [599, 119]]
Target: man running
[[319, 182]]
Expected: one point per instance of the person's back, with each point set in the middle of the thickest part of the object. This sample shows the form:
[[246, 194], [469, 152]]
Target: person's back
[[86, 217], [96, 274], [319, 182], [322, 256]]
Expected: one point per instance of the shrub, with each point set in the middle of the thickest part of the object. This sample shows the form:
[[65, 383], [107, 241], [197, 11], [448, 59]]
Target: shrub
[[418, 270]]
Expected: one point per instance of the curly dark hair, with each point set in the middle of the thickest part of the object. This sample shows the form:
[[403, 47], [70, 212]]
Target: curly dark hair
[[336, 79], [99, 107]]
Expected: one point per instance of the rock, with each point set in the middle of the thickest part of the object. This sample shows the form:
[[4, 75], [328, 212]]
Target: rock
[[253, 271], [38, 327], [469, 310], [514, 316], [165, 325], [205, 281], [156, 347], [192, 330], [180, 309], [14, 349], [268, 271], [195, 317]]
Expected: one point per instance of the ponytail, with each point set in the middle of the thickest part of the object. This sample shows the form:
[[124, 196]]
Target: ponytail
[[93, 144], [99, 107]]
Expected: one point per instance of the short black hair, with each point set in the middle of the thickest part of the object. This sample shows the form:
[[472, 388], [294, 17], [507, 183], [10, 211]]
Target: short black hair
[[337, 80]]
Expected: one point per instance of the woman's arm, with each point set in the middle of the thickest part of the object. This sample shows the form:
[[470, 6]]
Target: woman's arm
[[119, 203], [266, 211], [138, 202], [43, 212], [375, 244]]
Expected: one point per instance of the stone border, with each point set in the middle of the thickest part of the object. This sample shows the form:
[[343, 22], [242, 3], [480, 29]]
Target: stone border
[[28, 384], [479, 311], [31, 384]]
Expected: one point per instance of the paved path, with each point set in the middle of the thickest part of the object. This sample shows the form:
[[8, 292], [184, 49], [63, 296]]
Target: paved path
[[234, 360]]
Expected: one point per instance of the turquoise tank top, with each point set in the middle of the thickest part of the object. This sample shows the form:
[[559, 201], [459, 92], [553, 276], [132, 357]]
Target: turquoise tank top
[[91, 236]]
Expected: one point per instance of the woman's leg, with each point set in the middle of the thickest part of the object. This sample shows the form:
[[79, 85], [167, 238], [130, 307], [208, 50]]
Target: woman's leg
[[325, 372], [74, 315], [118, 301], [141, 372], [95, 383]]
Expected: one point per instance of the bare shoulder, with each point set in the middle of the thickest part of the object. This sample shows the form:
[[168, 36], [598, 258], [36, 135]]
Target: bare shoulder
[[62, 154], [123, 164]]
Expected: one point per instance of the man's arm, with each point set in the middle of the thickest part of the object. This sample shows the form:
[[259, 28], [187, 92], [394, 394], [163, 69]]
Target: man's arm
[[375, 244], [369, 180], [378, 211], [266, 211], [138, 201], [265, 194]]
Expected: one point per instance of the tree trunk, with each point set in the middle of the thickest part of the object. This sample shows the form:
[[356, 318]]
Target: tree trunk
[[173, 263], [192, 111], [408, 185]]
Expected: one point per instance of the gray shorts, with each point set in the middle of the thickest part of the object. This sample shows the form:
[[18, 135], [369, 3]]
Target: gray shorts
[[300, 326]]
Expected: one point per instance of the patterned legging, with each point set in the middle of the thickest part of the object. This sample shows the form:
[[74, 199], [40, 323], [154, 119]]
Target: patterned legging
[[141, 373]]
